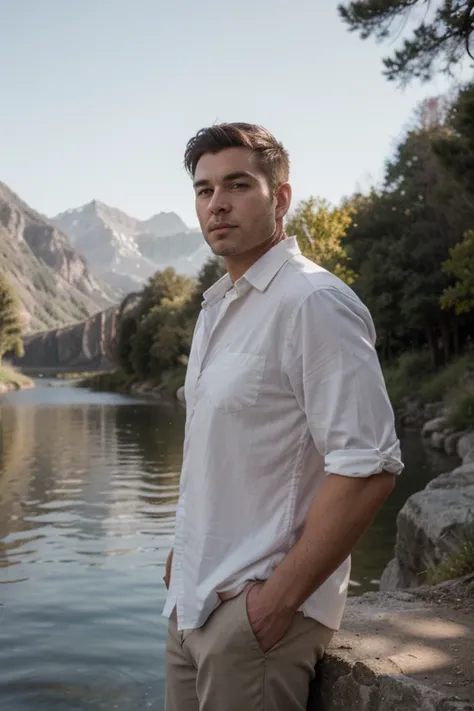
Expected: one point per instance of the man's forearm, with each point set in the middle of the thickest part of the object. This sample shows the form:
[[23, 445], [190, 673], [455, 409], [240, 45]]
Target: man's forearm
[[340, 514]]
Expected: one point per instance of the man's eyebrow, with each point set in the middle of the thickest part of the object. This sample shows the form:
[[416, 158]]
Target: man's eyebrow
[[230, 176]]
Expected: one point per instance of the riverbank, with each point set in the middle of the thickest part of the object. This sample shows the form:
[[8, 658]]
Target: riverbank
[[435, 527], [411, 645], [116, 381], [11, 379]]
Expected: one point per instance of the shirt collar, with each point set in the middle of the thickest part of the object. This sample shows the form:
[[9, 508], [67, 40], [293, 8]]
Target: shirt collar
[[259, 275]]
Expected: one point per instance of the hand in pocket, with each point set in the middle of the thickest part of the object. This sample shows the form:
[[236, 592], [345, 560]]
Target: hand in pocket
[[269, 624]]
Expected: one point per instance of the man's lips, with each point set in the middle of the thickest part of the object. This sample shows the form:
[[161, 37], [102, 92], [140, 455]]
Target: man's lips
[[223, 226]]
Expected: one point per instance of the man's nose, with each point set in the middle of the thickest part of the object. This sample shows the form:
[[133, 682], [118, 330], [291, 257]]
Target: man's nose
[[218, 202]]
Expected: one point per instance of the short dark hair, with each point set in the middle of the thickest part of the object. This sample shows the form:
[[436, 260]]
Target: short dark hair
[[272, 156]]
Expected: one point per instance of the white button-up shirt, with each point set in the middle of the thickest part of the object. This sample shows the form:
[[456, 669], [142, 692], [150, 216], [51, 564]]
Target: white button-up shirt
[[283, 386]]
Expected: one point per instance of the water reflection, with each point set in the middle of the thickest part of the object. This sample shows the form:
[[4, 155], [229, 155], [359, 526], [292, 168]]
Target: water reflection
[[88, 491]]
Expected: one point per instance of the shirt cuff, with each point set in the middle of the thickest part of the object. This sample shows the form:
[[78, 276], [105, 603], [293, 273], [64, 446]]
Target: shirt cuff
[[364, 462]]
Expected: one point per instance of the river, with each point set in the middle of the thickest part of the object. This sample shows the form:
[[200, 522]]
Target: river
[[88, 489]]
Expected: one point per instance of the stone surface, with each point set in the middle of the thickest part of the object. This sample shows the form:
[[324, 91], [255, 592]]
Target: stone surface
[[392, 578], [451, 442], [411, 413], [469, 457], [465, 445], [83, 345], [398, 652], [437, 425], [430, 526], [438, 439]]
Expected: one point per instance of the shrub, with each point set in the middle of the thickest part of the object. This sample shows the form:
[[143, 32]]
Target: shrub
[[403, 379], [396, 388], [461, 409], [414, 365], [450, 377]]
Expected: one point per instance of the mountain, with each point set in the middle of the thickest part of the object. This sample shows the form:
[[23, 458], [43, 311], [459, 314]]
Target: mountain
[[52, 281], [164, 224], [125, 251]]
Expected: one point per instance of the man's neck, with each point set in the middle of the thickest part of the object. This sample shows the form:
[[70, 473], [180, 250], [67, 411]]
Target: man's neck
[[237, 265]]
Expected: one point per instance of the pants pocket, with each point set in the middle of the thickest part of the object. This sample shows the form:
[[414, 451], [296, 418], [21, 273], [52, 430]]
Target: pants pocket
[[246, 624]]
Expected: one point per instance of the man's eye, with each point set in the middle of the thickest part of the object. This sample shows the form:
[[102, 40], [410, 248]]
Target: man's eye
[[204, 191], [237, 186]]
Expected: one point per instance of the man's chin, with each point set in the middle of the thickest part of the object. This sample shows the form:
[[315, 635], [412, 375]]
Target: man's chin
[[221, 248]]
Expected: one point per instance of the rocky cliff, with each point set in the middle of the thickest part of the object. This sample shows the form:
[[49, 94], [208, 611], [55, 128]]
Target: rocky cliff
[[86, 345], [52, 280]]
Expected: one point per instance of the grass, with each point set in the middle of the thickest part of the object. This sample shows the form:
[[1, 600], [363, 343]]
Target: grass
[[11, 377], [455, 565]]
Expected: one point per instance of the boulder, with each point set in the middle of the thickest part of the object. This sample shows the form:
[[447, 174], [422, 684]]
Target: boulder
[[437, 440], [451, 442], [430, 526], [465, 444], [391, 577], [437, 425], [469, 457], [459, 478], [412, 413]]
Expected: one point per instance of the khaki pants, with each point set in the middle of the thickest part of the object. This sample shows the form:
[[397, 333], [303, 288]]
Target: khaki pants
[[220, 666]]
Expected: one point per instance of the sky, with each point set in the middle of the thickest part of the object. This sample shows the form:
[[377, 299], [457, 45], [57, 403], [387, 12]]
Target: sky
[[99, 97]]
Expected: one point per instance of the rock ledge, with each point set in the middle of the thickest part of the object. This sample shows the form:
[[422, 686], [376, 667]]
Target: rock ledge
[[398, 652]]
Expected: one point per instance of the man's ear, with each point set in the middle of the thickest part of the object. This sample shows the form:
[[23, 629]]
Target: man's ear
[[283, 200]]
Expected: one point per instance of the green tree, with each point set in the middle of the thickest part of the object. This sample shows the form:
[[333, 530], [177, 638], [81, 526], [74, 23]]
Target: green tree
[[441, 33], [321, 230], [167, 284], [10, 323], [372, 240], [401, 236], [455, 147], [162, 341], [211, 271], [152, 333], [460, 265]]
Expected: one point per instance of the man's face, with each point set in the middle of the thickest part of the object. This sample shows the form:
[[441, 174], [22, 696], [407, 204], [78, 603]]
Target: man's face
[[236, 207]]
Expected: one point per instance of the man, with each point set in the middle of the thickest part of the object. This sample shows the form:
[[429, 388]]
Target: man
[[290, 447]]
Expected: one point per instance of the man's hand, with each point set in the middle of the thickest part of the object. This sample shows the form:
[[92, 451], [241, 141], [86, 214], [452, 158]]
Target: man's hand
[[269, 624], [169, 562]]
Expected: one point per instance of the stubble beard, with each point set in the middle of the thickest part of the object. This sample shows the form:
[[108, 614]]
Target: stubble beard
[[231, 247]]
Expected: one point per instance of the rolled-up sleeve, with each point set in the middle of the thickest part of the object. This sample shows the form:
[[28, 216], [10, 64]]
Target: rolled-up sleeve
[[335, 374]]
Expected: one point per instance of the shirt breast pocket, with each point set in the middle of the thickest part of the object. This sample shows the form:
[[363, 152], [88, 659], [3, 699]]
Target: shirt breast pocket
[[234, 381]]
